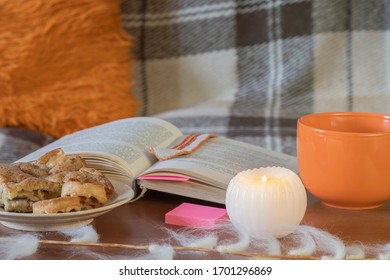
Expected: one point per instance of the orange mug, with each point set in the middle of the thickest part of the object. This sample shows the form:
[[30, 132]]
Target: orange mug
[[344, 158]]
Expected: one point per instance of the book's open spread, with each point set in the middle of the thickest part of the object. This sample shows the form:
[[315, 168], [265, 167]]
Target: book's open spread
[[120, 150], [212, 166]]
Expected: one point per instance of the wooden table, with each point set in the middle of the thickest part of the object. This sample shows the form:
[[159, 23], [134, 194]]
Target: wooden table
[[142, 223]]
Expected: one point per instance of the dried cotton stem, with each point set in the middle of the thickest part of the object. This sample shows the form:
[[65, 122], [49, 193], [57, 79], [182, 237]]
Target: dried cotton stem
[[176, 248]]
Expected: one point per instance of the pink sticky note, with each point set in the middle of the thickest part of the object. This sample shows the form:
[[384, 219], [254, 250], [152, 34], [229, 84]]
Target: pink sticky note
[[194, 215]]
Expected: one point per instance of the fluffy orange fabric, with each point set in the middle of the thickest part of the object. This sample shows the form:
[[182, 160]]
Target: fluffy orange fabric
[[64, 65]]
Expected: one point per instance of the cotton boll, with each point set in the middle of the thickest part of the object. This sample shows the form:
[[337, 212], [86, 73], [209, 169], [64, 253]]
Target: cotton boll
[[306, 244], [355, 252], [268, 244], [161, 252], [385, 254], [326, 242], [18, 246], [208, 241], [241, 245], [82, 234], [194, 237]]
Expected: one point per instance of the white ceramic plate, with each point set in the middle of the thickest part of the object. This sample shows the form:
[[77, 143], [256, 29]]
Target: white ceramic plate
[[60, 221]]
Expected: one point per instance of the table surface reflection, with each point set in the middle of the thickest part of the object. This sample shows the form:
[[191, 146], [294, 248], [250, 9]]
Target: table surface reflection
[[142, 223]]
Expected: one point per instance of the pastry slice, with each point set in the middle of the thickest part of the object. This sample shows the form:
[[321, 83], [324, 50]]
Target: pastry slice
[[18, 197], [62, 170], [50, 159], [30, 169], [93, 176], [69, 165], [9, 175], [21, 205], [91, 195], [57, 205], [12, 173], [31, 188]]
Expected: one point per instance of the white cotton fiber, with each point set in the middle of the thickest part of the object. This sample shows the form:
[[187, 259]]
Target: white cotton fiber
[[385, 254], [18, 246], [326, 242], [239, 246], [306, 244], [269, 245], [355, 252], [194, 238], [160, 252], [82, 234]]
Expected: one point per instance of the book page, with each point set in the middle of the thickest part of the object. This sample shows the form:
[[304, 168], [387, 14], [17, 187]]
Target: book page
[[219, 159], [118, 147], [192, 189]]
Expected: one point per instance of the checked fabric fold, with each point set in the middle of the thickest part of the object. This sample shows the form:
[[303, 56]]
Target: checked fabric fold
[[267, 61]]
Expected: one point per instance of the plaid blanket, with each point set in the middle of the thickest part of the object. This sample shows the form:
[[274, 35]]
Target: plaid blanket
[[18, 142], [267, 62], [247, 69]]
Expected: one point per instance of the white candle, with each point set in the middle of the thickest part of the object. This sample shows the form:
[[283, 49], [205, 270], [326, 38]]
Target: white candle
[[266, 201]]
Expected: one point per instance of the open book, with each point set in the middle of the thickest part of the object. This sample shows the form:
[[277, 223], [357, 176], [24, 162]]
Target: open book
[[121, 150]]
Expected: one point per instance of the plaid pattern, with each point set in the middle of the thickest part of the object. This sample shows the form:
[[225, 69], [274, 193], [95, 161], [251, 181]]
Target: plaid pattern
[[257, 64], [268, 61]]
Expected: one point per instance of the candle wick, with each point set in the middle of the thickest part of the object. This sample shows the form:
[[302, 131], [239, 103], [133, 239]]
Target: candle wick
[[264, 179]]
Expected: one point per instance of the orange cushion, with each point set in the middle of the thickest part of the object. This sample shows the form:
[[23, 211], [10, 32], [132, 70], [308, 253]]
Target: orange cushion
[[64, 65]]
